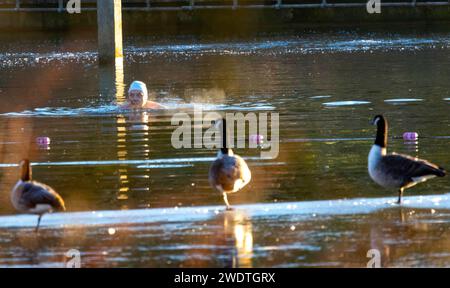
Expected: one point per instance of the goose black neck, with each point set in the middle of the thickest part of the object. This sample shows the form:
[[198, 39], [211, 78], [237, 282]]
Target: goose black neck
[[224, 148], [382, 133], [26, 171]]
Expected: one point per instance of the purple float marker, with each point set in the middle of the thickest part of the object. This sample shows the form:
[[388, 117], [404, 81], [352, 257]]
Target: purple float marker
[[410, 136], [43, 142], [257, 139]]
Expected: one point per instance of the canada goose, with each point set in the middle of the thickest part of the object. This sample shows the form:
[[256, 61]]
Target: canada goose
[[396, 170], [228, 173], [33, 197]]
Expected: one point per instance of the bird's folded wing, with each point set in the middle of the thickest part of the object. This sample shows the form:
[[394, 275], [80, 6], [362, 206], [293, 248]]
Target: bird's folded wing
[[406, 167], [37, 193]]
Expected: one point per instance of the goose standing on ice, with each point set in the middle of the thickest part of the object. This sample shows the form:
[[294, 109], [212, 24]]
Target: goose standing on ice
[[228, 173], [396, 170], [33, 197]]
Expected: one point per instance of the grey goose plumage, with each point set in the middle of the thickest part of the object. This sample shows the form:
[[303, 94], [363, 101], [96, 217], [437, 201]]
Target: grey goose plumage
[[229, 173], [396, 170], [32, 197]]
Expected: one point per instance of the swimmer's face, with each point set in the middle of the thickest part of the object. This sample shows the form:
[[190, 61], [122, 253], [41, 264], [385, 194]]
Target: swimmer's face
[[136, 98]]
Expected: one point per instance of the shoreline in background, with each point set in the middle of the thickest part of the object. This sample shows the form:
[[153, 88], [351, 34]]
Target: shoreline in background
[[227, 21]]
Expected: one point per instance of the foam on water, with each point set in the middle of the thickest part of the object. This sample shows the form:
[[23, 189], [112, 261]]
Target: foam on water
[[115, 109], [220, 107], [204, 213], [66, 111]]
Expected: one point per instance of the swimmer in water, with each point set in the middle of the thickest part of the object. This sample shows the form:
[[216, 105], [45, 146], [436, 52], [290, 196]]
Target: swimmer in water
[[138, 98]]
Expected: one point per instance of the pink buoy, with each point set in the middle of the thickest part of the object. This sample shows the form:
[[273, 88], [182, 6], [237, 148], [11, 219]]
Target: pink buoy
[[257, 139], [43, 140], [410, 136], [43, 143]]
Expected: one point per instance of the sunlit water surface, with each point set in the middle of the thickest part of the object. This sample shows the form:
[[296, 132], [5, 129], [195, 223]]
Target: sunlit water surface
[[325, 87]]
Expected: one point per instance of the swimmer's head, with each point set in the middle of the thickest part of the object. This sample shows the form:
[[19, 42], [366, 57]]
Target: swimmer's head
[[137, 94]]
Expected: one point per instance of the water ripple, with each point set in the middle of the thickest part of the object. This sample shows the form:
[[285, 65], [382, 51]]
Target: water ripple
[[281, 47], [114, 109]]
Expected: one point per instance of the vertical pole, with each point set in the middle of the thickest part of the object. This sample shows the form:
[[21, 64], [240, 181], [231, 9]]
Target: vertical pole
[[60, 6], [17, 4], [279, 3], [109, 25]]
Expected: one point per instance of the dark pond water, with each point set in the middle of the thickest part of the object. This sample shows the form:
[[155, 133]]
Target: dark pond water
[[326, 87]]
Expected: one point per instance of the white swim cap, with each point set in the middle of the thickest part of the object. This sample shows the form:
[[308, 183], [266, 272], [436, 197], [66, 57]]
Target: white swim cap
[[139, 86]]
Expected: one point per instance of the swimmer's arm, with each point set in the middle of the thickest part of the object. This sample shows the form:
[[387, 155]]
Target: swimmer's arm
[[124, 106], [154, 105]]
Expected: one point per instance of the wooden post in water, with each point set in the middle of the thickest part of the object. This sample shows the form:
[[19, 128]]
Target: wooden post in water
[[109, 25]]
